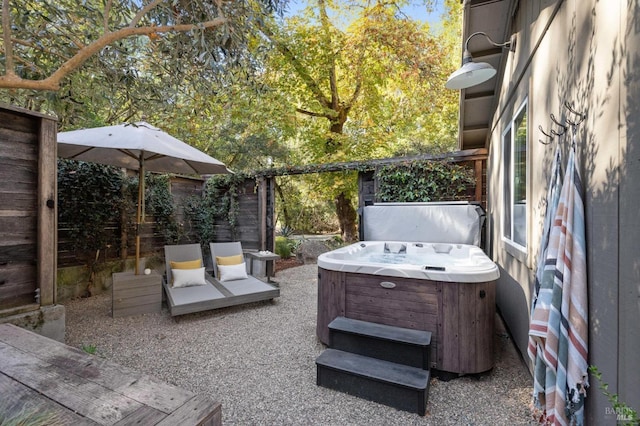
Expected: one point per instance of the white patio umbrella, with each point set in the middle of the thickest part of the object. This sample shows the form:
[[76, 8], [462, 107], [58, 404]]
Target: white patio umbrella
[[137, 146]]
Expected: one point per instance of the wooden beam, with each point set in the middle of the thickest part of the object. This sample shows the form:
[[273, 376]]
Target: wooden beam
[[454, 157], [47, 211], [262, 215], [479, 180]]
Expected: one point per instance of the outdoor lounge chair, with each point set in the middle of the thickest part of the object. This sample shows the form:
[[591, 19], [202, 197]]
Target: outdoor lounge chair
[[250, 288], [211, 294]]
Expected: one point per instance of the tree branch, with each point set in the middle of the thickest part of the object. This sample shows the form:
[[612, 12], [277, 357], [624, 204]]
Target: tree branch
[[105, 17], [79, 44], [333, 83], [36, 47], [8, 47], [143, 12], [356, 91], [300, 69], [314, 114], [27, 63], [10, 80]]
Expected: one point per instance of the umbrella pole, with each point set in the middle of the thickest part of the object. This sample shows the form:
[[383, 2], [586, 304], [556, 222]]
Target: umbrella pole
[[138, 237], [139, 211]]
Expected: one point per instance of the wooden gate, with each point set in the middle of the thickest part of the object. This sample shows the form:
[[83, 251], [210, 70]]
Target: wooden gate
[[27, 210]]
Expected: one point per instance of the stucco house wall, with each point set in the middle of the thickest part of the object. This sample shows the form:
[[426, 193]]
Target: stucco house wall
[[587, 53]]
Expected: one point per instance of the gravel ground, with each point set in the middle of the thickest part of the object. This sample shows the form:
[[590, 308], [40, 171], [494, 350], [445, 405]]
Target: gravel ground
[[259, 361]]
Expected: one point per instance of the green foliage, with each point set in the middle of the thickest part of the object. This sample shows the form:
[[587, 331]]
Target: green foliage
[[370, 89], [222, 193], [199, 85], [174, 39], [89, 197], [286, 231], [307, 214], [200, 218], [218, 203], [90, 349], [423, 181], [285, 247], [93, 198], [26, 414], [625, 415], [335, 242], [159, 203], [369, 86]]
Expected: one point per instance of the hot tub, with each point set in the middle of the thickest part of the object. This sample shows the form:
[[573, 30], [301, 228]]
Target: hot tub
[[463, 263], [445, 288]]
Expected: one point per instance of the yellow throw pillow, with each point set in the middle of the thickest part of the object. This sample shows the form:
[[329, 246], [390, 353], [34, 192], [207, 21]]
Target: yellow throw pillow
[[230, 260], [189, 264]]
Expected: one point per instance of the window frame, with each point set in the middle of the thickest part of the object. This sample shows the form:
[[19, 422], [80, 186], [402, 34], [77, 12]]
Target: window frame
[[508, 182]]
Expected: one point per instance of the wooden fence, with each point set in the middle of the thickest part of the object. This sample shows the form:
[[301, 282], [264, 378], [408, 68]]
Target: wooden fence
[[255, 226], [251, 228]]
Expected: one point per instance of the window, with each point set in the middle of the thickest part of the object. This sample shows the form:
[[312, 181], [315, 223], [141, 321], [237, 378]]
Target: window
[[514, 142]]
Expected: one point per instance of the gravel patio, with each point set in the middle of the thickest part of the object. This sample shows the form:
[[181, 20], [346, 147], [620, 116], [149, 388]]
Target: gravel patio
[[259, 361]]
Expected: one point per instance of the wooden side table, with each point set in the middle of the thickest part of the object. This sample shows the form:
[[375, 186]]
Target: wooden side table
[[133, 294], [263, 257]]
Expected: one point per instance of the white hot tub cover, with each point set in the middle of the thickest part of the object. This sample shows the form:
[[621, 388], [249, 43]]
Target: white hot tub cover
[[455, 222]]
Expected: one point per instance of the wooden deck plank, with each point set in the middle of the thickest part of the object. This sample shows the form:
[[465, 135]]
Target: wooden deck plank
[[131, 383], [145, 415], [86, 398], [87, 390], [18, 401], [193, 412]]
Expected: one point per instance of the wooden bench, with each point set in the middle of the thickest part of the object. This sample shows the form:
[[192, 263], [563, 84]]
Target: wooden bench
[[68, 386]]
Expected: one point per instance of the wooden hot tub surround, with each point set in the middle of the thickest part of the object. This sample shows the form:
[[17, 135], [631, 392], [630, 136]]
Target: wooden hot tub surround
[[460, 316]]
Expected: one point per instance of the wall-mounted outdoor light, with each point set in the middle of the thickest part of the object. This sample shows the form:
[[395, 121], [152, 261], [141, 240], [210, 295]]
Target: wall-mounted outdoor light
[[472, 73]]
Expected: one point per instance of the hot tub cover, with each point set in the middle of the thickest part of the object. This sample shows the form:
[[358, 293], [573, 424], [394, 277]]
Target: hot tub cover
[[455, 222]]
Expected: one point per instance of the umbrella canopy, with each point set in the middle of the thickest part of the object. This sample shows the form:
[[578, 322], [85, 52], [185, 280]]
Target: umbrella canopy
[[141, 147], [134, 145]]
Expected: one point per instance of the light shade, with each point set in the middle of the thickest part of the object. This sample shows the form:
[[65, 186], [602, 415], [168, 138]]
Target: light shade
[[470, 74]]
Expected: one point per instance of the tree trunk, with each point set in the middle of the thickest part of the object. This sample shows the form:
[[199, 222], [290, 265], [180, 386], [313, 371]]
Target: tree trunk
[[285, 211], [347, 217]]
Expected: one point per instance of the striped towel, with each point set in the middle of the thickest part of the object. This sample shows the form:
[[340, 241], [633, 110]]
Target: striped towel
[[553, 196], [559, 321]]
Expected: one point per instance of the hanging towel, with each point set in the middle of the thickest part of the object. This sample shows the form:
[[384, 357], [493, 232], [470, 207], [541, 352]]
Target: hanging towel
[[559, 322], [553, 196]]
